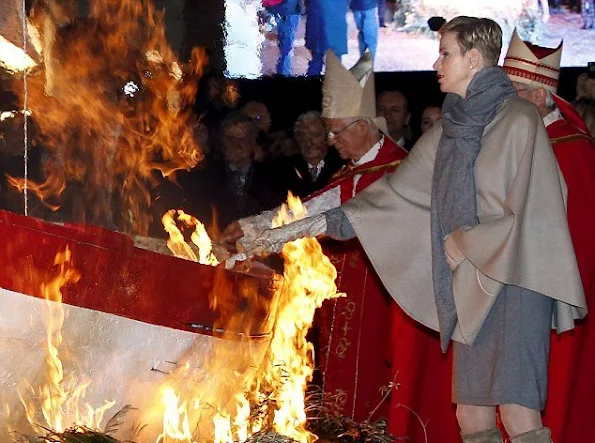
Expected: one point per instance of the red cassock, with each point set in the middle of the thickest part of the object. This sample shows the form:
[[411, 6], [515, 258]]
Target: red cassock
[[422, 403], [570, 406], [424, 373], [354, 330]]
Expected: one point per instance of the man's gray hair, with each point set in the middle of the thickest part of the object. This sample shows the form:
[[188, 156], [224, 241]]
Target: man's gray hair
[[310, 115], [372, 126], [549, 100]]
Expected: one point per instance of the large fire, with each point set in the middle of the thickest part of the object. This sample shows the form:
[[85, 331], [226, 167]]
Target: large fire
[[271, 396], [111, 104], [58, 403], [308, 280], [112, 107]]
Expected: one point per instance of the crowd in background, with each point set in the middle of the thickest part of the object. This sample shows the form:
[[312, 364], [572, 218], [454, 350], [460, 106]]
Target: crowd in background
[[251, 159], [249, 168]]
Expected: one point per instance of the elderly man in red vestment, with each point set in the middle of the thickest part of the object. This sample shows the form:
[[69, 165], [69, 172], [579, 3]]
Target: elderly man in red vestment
[[535, 70], [352, 330]]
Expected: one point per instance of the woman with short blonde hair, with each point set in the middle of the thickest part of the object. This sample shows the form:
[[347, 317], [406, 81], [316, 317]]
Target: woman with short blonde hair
[[479, 204]]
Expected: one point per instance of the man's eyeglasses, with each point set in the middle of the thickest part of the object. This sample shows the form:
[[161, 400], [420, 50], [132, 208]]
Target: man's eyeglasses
[[335, 134]]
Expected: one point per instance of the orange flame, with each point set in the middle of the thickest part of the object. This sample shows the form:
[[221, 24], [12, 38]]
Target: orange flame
[[111, 148], [268, 393], [177, 244], [61, 397], [308, 280], [47, 191], [176, 427]]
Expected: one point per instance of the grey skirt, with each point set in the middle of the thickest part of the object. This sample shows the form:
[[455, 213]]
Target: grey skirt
[[508, 362]]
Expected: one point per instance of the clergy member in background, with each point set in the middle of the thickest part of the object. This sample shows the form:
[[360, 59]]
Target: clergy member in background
[[353, 331], [534, 71]]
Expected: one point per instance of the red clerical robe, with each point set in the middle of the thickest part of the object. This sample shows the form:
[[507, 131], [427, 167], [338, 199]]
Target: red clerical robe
[[422, 403], [571, 393], [424, 373], [353, 330]]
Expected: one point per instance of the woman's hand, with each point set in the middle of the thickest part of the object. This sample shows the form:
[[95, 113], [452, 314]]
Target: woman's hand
[[454, 256]]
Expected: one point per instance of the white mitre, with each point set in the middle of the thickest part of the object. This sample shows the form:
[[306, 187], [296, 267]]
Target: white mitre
[[350, 93], [533, 65]]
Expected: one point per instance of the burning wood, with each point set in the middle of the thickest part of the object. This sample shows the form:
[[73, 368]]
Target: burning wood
[[131, 360], [227, 391], [266, 397]]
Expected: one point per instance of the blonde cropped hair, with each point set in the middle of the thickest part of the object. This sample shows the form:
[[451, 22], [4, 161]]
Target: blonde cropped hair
[[483, 34]]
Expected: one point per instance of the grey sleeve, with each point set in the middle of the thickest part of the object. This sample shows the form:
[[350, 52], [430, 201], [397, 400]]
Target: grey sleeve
[[338, 226]]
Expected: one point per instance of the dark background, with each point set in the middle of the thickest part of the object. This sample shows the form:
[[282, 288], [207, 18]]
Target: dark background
[[287, 97]]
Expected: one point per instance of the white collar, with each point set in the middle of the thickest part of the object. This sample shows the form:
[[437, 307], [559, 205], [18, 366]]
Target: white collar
[[319, 166], [552, 117], [371, 154]]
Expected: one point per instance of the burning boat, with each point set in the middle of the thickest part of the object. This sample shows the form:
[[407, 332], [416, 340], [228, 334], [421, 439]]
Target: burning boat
[[95, 327], [132, 321]]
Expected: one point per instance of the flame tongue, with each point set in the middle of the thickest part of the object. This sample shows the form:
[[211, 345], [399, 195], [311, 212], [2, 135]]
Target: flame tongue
[[175, 419], [177, 244], [60, 397], [308, 280]]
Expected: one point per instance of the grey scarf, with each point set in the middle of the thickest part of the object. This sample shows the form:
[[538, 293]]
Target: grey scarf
[[454, 202]]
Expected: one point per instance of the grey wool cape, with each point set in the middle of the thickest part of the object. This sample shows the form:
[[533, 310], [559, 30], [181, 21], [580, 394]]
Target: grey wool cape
[[522, 238]]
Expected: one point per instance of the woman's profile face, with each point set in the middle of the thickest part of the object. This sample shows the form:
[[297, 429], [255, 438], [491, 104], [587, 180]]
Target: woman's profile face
[[453, 69]]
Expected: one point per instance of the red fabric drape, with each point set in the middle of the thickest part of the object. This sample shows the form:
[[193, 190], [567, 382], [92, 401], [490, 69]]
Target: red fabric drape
[[120, 279], [422, 403]]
